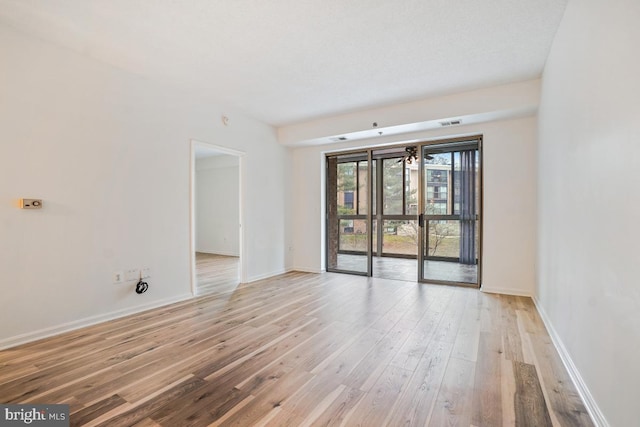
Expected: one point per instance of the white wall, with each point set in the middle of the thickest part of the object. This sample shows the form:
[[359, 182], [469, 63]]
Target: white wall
[[589, 201], [109, 153], [217, 198], [497, 102], [509, 151]]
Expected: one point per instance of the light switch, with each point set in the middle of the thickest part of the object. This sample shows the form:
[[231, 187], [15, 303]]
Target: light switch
[[30, 203]]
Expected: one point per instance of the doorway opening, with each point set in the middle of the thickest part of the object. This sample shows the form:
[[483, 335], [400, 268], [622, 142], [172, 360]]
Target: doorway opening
[[407, 212], [216, 219]]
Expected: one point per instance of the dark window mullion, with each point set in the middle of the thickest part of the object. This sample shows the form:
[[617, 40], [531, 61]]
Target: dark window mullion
[[357, 172], [404, 188], [453, 185]]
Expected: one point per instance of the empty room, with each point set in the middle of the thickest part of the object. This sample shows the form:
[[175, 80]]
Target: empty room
[[317, 213]]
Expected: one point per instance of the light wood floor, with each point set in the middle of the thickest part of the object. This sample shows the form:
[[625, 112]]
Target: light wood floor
[[307, 349], [216, 272]]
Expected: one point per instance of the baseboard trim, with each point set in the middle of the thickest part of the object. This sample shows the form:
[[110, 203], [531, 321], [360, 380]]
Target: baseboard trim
[[223, 253], [592, 407], [268, 275], [307, 270], [87, 321], [506, 291]]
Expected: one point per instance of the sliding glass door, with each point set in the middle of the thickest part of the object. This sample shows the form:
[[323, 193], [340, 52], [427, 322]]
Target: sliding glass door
[[406, 212], [348, 217], [450, 213]]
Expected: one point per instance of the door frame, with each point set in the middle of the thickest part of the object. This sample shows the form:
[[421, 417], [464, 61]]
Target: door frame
[[421, 193], [192, 214]]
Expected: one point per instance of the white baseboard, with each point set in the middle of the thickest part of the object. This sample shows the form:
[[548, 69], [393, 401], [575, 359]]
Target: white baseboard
[[592, 407], [223, 253], [307, 270], [279, 272], [506, 291], [267, 275], [87, 321]]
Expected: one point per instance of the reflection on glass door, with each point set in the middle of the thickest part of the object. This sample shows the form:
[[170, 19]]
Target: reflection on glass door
[[450, 213], [348, 237]]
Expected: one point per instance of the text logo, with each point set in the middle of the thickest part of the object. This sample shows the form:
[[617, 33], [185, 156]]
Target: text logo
[[34, 415]]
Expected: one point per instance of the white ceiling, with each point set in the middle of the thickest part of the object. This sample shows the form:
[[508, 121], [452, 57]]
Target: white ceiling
[[286, 61]]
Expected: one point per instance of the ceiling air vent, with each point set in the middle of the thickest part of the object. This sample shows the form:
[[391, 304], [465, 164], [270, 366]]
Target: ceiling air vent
[[337, 138], [451, 122]]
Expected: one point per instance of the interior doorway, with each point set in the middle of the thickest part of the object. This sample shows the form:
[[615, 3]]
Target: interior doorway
[[216, 218], [407, 212]]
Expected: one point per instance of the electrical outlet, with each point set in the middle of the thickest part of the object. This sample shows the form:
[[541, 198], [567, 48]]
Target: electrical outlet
[[118, 277], [146, 272], [132, 274]]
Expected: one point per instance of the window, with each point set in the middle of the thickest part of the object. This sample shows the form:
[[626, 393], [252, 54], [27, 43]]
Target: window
[[347, 226], [393, 186], [347, 186], [436, 175], [348, 199], [436, 207]]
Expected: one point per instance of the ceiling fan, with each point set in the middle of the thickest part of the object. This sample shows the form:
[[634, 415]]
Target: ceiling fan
[[411, 155]]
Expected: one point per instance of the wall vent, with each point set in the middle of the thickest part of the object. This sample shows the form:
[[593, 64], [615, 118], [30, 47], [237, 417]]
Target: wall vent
[[451, 122], [337, 138]]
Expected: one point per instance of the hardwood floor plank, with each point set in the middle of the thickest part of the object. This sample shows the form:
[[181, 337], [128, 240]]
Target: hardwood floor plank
[[144, 410], [415, 405], [320, 408], [284, 349], [215, 272], [232, 411], [345, 361], [447, 329], [490, 320], [453, 403], [365, 374], [530, 407], [312, 397], [202, 406], [305, 349], [512, 342], [275, 395], [563, 399], [508, 392], [466, 343], [487, 407], [527, 347], [96, 410], [147, 422], [373, 408], [335, 413]]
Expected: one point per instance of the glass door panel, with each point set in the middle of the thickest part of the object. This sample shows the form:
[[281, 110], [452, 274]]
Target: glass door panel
[[347, 213], [450, 218], [400, 237]]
